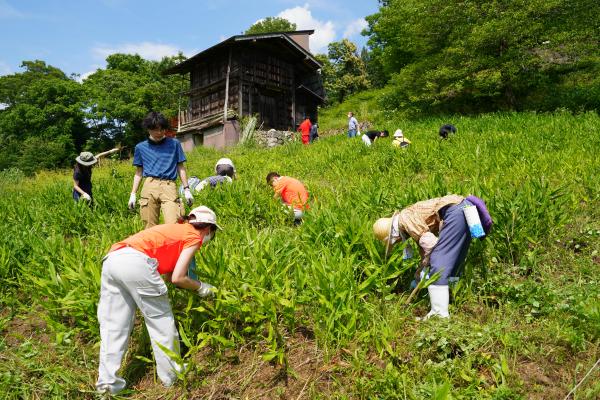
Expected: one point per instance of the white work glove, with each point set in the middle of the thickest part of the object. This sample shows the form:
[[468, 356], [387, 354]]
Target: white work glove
[[131, 203], [206, 290], [86, 196], [189, 199]]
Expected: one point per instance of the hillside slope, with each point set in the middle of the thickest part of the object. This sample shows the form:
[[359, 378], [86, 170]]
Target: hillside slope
[[315, 311]]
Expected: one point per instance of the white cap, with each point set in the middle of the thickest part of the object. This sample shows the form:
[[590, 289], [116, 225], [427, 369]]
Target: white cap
[[398, 133], [204, 214], [224, 161]]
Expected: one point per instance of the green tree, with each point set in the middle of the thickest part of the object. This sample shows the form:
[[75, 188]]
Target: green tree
[[271, 24], [471, 56], [119, 97], [343, 71], [42, 124]]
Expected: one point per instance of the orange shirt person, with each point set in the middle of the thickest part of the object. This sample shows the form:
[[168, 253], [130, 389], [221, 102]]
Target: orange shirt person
[[131, 279], [292, 193], [305, 129]]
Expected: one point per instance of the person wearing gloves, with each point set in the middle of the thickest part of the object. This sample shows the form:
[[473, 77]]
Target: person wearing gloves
[[292, 193], [131, 279], [82, 174], [159, 160], [399, 139], [225, 173], [441, 231]]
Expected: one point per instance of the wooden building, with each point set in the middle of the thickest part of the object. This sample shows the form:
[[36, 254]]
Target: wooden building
[[273, 75]]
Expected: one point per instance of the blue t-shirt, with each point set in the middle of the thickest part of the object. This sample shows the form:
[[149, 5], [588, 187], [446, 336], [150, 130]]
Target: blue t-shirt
[[159, 160]]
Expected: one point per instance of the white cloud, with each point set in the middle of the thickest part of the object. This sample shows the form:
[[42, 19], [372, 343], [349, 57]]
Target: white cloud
[[303, 18], [85, 75], [355, 27], [147, 50]]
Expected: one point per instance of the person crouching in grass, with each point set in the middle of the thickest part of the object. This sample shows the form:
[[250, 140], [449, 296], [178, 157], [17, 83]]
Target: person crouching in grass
[[370, 136], [440, 229], [131, 279], [291, 192]]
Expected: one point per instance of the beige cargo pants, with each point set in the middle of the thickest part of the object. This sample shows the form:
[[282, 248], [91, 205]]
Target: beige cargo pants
[[159, 194]]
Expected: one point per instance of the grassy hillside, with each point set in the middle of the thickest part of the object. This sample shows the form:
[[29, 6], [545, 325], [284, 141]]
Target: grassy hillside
[[315, 311]]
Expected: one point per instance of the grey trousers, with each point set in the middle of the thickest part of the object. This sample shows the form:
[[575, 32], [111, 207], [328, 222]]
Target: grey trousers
[[454, 240]]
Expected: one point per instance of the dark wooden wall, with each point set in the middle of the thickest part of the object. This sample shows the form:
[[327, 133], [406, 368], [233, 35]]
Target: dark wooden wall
[[264, 81]]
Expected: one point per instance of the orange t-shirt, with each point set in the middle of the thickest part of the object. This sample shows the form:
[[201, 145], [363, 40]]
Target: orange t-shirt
[[163, 242], [305, 127], [292, 192]]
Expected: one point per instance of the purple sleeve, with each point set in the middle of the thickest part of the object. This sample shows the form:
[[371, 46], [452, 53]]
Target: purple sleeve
[[484, 215]]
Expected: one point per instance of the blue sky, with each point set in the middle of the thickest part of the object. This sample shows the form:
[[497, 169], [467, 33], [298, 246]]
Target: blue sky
[[76, 36]]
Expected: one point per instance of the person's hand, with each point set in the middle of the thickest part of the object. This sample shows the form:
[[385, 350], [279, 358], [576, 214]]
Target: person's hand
[[206, 290], [131, 203], [189, 199], [86, 196]]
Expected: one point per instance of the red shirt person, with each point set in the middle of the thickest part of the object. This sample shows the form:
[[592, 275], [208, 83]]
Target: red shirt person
[[292, 193], [305, 129]]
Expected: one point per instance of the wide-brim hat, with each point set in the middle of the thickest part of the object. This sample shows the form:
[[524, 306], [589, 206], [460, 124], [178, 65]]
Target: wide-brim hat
[[398, 133], [86, 158], [382, 229], [205, 215]]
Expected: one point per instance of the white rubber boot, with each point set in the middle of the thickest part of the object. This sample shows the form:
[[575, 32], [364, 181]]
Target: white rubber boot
[[439, 296]]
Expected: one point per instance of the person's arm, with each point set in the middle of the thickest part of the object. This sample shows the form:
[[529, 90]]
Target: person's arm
[[179, 276], [182, 174], [137, 178], [105, 153], [77, 188]]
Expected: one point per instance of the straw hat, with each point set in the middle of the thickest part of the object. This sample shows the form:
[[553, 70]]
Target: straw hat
[[86, 158], [382, 229], [204, 214]]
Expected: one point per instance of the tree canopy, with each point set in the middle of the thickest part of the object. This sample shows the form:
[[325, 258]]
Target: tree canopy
[[271, 24], [471, 56]]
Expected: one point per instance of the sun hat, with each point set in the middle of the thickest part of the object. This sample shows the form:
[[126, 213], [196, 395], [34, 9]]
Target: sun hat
[[382, 229], [86, 158], [398, 133], [204, 214]]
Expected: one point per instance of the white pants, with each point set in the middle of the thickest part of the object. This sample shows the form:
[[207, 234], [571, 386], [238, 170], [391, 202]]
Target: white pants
[[130, 280], [366, 140]]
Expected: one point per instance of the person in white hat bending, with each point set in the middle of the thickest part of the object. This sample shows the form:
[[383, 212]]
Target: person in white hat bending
[[131, 279], [399, 139], [225, 173], [441, 231]]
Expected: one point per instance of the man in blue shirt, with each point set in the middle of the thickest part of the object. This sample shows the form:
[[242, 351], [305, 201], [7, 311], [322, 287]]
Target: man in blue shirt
[[159, 160]]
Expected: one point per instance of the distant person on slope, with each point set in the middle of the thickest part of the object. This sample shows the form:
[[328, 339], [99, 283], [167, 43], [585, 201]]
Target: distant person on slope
[[225, 173], [353, 127], [314, 132], [82, 174], [446, 130], [291, 192], [400, 140], [369, 137], [305, 129], [159, 159], [444, 253], [131, 279]]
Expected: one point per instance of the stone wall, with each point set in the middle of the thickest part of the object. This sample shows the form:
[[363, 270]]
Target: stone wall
[[272, 138]]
